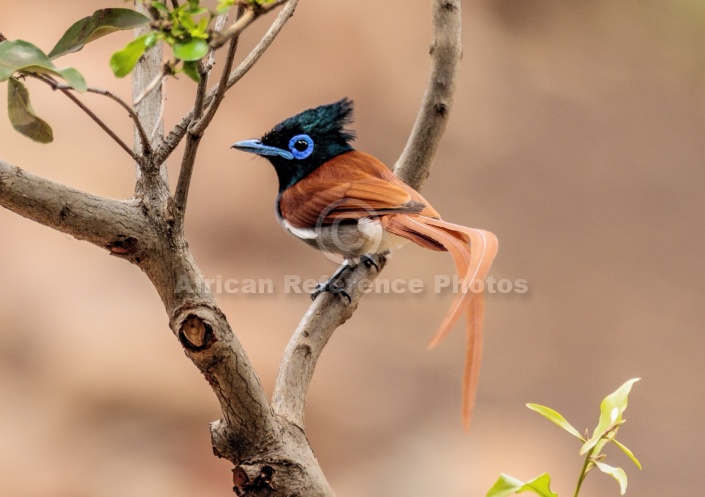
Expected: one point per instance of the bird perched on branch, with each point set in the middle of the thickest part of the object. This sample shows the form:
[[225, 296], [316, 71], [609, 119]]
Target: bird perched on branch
[[346, 202]]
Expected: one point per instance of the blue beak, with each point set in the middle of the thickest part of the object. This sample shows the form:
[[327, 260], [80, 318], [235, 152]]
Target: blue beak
[[259, 148]]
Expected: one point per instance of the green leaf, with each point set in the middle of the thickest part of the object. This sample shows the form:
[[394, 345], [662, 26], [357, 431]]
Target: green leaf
[[504, 486], [556, 417], [629, 454], [151, 40], [160, 6], [22, 116], [508, 485], [224, 5], [193, 49], [22, 56], [123, 62], [191, 70], [101, 23], [611, 410], [616, 473]]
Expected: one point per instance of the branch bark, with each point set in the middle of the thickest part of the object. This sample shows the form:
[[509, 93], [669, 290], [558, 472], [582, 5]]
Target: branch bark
[[152, 178], [414, 164], [114, 225]]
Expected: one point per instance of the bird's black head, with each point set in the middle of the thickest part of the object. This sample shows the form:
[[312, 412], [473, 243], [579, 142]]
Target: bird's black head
[[298, 145]]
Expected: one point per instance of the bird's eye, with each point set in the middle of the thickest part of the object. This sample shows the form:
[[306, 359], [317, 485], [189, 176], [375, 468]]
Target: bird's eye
[[301, 146]]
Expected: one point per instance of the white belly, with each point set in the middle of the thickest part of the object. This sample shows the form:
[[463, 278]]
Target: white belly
[[349, 239]]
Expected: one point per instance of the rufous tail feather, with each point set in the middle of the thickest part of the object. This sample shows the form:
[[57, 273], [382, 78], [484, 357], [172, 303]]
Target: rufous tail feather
[[472, 261]]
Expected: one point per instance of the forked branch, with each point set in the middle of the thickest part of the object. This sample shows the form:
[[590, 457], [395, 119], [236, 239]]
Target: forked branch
[[106, 93], [176, 135]]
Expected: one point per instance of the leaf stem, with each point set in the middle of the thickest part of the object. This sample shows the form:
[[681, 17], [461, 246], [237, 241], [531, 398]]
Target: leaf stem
[[584, 471]]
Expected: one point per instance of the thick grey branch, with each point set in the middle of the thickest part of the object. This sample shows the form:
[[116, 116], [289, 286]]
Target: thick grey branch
[[114, 225], [326, 314], [152, 174], [82, 215]]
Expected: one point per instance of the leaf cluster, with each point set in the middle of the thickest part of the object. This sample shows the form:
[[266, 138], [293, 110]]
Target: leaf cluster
[[185, 28], [611, 418]]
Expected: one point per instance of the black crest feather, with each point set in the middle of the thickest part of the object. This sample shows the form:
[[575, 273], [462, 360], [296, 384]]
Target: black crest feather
[[326, 120]]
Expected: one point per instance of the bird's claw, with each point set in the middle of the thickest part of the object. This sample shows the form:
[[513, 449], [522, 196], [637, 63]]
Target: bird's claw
[[333, 286], [369, 262]]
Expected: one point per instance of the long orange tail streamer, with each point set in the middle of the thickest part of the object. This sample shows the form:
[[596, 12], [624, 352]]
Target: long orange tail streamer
[[473, 251]]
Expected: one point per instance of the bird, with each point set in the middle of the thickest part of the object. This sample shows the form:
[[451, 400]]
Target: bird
[[346, 202]]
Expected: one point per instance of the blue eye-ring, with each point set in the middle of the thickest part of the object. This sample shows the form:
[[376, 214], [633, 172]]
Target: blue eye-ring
[[301, 146]]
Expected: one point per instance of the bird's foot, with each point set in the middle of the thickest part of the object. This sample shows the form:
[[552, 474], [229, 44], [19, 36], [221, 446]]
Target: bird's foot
[[369, 262], [334, 285]]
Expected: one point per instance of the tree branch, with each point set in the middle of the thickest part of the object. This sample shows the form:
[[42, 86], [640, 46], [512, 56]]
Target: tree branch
[[265, 442], [152, 174], [114, 225], [66, 90], [156, 82], [327, 313], [253, 12], [106, 93], [200, 122], [414, 165], [220, 89], [324, 316]]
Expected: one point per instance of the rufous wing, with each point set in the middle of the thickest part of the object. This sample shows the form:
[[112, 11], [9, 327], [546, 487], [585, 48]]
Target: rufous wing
[[352, 185]]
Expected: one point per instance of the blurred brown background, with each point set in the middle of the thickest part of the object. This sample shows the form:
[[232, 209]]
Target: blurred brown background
[[576, 136]]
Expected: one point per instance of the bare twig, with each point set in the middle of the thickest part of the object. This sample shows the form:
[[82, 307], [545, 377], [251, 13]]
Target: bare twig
[[67, 90], [106, 93], [198, 126], [177, 134], [327, 313], [249, 16], [204, 70], [203, 122], [151, 86]]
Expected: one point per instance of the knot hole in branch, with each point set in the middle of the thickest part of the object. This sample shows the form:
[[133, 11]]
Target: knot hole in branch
[[258, 479], [121, 246], [195, 334]]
